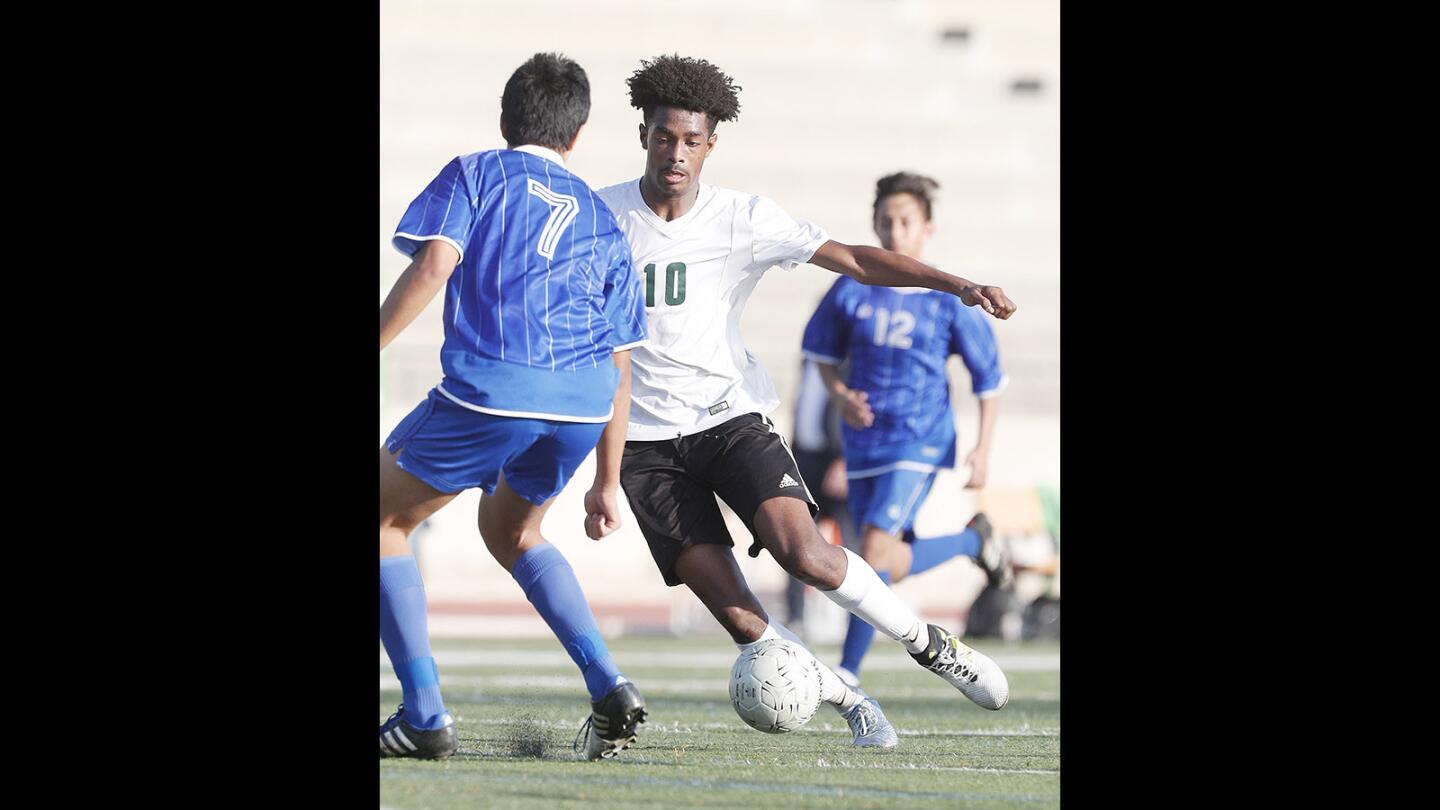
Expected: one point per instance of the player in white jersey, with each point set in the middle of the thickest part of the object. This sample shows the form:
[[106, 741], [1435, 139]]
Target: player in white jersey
[[696, 425]]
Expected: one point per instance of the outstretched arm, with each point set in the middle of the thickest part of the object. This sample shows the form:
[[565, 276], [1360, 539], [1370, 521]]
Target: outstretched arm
[[883, 268]]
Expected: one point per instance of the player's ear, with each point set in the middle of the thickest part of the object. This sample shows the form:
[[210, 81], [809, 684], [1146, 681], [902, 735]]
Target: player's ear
[[710, 143], [929, 228], [644, 137], [503, 133]]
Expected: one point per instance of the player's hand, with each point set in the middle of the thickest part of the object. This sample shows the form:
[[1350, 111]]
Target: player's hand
[[979, 463], [602, 512], [991, 299], [855, 409]]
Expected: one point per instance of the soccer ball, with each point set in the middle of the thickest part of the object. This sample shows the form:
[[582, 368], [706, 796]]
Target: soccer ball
[[775, 686]]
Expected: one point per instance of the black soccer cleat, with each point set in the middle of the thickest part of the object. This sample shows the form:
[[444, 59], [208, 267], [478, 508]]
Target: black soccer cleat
[[400, 739], [610, 728], [994, 557]]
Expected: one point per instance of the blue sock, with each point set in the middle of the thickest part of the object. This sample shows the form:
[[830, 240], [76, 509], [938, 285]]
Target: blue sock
[[858, 637], [929, 552], [550, 585], [407, 640]]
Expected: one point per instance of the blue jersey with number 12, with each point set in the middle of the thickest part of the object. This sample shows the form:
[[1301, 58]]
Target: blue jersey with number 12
[[897, 342]]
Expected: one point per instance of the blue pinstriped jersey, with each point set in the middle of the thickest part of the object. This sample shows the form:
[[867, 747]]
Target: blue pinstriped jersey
[[545, 290], [897, 342]]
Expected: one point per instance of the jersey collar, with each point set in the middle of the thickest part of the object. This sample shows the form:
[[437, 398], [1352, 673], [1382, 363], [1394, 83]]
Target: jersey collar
[[672, 227], [541, 151]]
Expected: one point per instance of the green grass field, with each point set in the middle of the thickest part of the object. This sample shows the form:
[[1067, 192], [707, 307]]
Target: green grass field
[[518, 704]]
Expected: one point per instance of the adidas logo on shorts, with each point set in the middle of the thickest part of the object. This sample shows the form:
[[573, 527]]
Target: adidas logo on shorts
[[787, 481]]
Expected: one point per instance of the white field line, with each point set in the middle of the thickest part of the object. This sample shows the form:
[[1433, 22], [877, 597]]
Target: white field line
[[663, 686], [731, 785], [814, 727]]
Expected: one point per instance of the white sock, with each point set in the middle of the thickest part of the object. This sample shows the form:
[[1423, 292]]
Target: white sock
[[863, 594], [832, 689], [765, 636]]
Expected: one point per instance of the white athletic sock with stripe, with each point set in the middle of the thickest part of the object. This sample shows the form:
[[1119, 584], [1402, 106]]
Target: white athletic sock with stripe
[[832, 689], [864, 594]]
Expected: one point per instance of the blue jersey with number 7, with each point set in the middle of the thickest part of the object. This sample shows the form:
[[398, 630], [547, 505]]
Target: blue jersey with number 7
[[544, 292]]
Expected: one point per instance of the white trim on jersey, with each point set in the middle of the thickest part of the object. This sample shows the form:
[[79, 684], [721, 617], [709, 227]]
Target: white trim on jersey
[[549, 259], [558, 417], [915, 466], [590, 283], [440, 236], [499, 281], [997, 390], [821, 358], [628, 346], [540, 151]]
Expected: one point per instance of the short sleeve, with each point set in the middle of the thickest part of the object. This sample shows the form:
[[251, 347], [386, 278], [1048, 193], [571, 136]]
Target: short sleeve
[[973, 339], [624, 297], [828, 330], [443, 211], [779, 239]]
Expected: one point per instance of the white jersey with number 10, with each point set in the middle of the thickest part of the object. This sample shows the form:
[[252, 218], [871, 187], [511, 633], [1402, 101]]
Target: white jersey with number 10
[[692, 372]]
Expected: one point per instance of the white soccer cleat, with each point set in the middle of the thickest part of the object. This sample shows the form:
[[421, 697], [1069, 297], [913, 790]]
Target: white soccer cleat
[[968, 670], [868, 726]]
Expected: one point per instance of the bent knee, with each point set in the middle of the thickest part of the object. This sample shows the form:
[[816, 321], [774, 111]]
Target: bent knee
[[814, 562]]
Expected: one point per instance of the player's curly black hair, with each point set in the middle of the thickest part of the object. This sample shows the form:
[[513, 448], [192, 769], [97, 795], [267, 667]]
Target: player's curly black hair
[[685, 83], [905, 183]]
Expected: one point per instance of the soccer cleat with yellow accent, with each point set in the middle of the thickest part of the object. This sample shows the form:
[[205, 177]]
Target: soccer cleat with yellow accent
[[966, 669]]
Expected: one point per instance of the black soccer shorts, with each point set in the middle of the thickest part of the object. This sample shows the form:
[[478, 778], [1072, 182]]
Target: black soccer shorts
[[671, 485]]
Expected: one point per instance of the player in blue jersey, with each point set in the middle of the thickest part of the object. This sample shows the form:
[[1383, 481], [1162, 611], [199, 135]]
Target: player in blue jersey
[[542, 305], [898, 426]]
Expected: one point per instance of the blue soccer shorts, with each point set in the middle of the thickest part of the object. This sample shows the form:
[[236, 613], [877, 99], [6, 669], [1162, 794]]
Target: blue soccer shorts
[[889, 501], [453, 448]]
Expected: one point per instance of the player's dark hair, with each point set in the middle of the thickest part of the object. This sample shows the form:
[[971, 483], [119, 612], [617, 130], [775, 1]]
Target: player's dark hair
[[687, 84], [546, 102], [905, 183]]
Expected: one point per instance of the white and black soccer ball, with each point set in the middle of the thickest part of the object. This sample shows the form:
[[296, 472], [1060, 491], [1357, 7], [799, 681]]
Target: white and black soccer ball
[[775, 686]]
